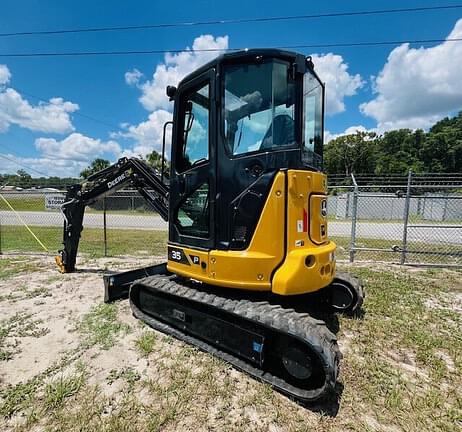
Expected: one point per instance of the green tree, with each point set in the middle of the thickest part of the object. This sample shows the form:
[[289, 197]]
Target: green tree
[[398, 151], [155, 160], [23, 174], [97, 165], [442, 149], [348, 154]]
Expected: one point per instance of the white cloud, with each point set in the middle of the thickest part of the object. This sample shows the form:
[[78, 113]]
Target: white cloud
[[64, 158], [5, 75], [176, 67], [148, 134], [328, 136], [133, 77], [333, 71], [52, 116], [417, 87], [37, 167], [76, 147]]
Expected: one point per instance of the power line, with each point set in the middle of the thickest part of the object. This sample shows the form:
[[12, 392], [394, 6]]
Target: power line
[[14, 152], [18, 154], [80, 114], [77, 113], [175, 51], [23, 166], [233, 21], [21, 155]]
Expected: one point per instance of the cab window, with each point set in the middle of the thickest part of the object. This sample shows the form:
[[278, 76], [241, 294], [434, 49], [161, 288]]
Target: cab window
[[194, 128], [259, 107]]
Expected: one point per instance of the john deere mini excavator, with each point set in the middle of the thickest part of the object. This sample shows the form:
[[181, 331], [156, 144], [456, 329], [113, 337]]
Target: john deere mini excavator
[[247, 212]]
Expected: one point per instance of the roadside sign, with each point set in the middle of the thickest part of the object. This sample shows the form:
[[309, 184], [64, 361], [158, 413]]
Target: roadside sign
[[53, 201]]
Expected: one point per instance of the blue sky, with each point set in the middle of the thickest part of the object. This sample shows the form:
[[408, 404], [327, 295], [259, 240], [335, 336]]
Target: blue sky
[[99, 110]]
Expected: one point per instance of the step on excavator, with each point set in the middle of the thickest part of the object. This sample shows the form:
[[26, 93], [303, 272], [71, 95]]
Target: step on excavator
[[246, 204]]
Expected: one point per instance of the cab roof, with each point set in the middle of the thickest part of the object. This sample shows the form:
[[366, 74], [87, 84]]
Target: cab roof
[[243, 56]]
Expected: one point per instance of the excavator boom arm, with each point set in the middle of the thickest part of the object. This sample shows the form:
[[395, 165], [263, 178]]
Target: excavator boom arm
[[105, 182]]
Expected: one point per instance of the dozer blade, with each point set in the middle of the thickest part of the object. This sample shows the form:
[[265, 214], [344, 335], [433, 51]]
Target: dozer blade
[[291, 351], [117, 284]]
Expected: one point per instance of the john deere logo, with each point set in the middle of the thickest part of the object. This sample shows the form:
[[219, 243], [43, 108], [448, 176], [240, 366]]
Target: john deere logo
[[324, 208]]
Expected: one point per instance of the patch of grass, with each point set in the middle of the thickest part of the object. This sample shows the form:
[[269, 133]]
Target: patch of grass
[[22, 293], [24, 396], [401, 370], [62, 388], [120, 241], [101, 327], [19, 325], [15, 398], [41, 291], [23, 203], [94, 412], [396, 368], [128, 374], [145, 343], [12, 267], [53, 279]]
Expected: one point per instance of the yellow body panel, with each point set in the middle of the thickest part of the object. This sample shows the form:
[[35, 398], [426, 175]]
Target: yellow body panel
[[251, 268], [300, 274], [297, 261]]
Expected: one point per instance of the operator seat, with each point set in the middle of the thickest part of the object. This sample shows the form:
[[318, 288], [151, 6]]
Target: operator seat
[[283, 134]]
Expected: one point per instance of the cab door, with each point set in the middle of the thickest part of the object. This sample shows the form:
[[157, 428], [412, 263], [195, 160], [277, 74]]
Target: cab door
[[192, 180]]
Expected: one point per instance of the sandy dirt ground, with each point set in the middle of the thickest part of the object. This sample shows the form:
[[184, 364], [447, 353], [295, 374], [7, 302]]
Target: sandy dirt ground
[[71, 363]]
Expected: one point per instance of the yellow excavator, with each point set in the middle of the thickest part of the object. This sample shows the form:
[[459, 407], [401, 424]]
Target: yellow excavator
[[246, 203]]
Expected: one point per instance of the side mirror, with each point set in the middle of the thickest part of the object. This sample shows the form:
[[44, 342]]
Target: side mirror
[[171, 92]]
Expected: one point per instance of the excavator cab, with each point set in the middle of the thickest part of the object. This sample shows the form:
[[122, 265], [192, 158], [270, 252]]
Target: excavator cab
[[246, 189]]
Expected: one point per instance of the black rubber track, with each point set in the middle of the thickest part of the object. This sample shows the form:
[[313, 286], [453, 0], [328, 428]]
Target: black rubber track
[[298, 325]]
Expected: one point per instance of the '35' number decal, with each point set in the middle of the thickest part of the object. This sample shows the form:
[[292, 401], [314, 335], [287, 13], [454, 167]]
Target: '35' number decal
[[176, 254]]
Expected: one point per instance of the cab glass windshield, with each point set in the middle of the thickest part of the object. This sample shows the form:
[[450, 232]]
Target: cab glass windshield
[[259, 107], [312, 113]]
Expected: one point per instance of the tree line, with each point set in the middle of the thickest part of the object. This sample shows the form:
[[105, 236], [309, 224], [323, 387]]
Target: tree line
[[22, 179], [395, 152]]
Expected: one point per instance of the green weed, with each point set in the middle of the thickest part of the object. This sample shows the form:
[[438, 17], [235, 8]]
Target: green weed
[[145, 343], [62, 388], [101, 327]]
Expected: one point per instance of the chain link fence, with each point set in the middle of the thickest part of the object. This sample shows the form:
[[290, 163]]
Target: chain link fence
[[407, 220], [117, 225], [412, 219]]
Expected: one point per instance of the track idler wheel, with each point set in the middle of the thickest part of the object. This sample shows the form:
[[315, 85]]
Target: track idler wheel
[[345, 293], [297, 363]]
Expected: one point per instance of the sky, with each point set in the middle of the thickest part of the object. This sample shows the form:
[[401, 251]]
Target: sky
[[57, 114]]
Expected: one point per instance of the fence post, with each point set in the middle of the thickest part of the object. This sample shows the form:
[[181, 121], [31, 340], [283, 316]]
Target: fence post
[[406, 217], [1, 233], [104, 226], [445, 207], [354, 213]]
